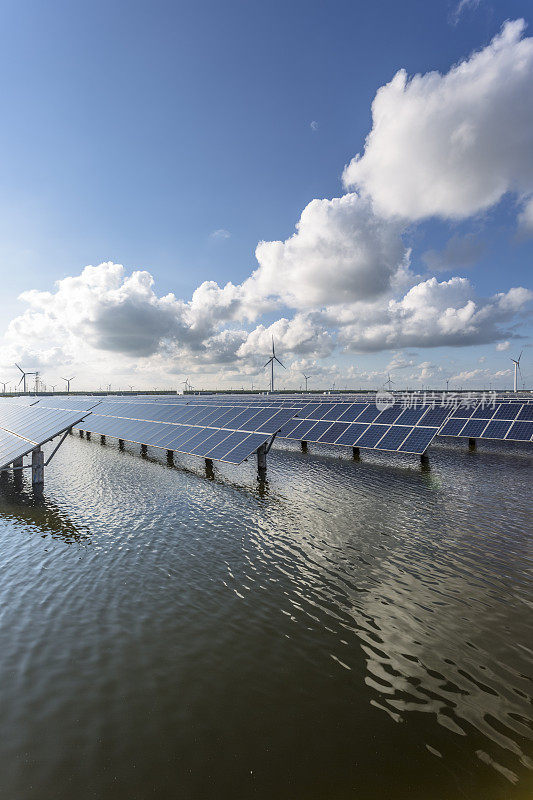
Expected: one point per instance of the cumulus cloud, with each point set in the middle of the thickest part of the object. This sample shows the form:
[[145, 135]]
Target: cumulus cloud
[[220, 233], [314, 125], [340, 252], [502, 346], [525, 219], [452, 145], [432, 314]]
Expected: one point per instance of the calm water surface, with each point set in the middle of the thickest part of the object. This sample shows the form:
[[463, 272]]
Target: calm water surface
[[348, 630]]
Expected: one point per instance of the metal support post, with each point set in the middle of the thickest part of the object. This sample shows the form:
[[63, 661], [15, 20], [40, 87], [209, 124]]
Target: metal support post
[[121, 444], [37, 467], [303, 445], [209, 470], [170, 456], [471, 444], [356, 454], [144, 449], [261, 462], [81, 433], [424, 458], [102, 438], [88, 435]]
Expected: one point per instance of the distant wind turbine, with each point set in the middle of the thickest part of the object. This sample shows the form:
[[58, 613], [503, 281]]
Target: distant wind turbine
[[24, 374], [389, 382], [516, 362], [306, 379], [4, 385], [67, 381], [270, 361]]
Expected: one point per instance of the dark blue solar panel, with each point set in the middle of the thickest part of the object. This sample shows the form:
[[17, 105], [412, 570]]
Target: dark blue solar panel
[[394, 437], [287, 430], [484, 411], [352, 412], [389, 415], [352, 434], [334, 413], [496, 429], [463, 412], [507, 411], [215, 438], [231, 441], [369, 414], [521, 431], [418, 441], [474, 427], [434, 417], [245, 448], [526, 413], [333, 432], [317, 431], [372, 435], [302, 429], [452, 427], [411, 416]]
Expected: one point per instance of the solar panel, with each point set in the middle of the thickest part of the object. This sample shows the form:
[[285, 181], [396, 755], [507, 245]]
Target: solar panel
[[230, 433], [23, 428], [508, 420]]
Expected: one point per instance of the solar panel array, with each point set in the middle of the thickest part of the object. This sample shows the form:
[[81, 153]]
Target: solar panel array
[[364, 425], [509, 421], [221, 433], [23, 428]]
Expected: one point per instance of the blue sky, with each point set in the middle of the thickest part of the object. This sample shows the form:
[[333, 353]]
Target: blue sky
[[133, 131]]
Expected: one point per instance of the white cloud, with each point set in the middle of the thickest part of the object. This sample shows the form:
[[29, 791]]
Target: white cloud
[[314, 125], [452, 145], [463, 5], [502, 346], [220, 233], [525, 219]]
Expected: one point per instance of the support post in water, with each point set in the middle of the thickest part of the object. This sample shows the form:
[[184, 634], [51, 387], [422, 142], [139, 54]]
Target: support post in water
[[209, 471], [102, 438], [424, 458], [81, 433], [144, 449], [88, 435], [356, 454], [170, 456], [261, 462], [17, 466], [37, 467], [121, 444], [471, 444], [303, 445]]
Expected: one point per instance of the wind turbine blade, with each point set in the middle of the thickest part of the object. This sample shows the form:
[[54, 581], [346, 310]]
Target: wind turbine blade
[[268, 362], [520, 356], [18, 384], [279, 362], [19, 367]]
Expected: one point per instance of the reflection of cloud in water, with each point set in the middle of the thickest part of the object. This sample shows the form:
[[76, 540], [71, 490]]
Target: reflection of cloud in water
[[35, 511]]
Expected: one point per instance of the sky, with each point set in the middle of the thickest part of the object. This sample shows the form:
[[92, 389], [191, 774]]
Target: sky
[[182, 181]]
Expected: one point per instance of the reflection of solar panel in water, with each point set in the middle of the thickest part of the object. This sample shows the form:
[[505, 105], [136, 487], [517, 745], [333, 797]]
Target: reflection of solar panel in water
[[509, 421], [364, 425], [23, 428], [220, 433]]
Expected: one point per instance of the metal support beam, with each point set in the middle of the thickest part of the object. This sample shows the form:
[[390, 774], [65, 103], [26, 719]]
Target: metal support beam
[[37, 467], [18, 464], [56, 448]]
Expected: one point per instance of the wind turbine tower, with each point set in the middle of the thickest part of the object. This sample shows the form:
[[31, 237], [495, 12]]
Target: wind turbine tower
[[67, 381], [389, 382], [516, 362], [24, 375], [306, 379], [270, 361]]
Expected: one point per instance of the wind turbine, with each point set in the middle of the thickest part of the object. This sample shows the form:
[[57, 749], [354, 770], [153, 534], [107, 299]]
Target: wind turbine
[[67, 381], [389, 381], [4, 385], [53, 385], [24, 374], [516, 362], [270, 361], [306, 379]]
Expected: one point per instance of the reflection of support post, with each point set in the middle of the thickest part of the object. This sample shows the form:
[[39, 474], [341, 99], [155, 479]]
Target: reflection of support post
[[121, 444], [471, 444], [170, 457], [102, 438], [209, 471], [424, 458], [356, 454], [303, 445], [144, 449], [37, 467], [261, 462]]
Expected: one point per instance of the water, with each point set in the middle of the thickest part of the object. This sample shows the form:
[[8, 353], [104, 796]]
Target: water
[[349, 630]]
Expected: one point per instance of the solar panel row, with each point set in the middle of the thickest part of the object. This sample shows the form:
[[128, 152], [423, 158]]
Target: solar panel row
[[507, 421], [22, 428]]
